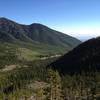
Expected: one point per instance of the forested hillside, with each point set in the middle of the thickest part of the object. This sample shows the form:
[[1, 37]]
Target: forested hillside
[[85, 57]]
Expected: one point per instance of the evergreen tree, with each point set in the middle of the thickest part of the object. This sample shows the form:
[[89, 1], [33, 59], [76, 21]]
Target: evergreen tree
[[55, 88], [40, 94]]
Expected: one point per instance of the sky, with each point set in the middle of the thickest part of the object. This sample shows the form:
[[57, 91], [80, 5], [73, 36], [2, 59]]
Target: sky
[[78, 18]]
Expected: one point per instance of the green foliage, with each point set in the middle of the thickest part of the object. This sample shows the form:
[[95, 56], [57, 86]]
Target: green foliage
[[17, 80], [36, 34], [79, 86], [55, 88], [40, 94], [18, 54]]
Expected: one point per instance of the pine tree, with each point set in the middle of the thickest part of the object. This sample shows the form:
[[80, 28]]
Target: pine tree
[[40, 94], [58, 87], [54, 89]]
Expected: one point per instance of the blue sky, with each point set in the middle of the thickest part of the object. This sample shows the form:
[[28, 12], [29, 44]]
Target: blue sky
[[79, 18]]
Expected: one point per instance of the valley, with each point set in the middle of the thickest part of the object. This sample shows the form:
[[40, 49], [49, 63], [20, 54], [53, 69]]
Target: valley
[[39, 63]]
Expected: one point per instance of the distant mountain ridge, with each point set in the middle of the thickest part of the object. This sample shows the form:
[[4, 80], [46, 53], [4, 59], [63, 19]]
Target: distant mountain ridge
[[85, 57], [11, 31]]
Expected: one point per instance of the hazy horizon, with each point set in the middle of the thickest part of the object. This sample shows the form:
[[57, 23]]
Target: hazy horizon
[[78, 18]]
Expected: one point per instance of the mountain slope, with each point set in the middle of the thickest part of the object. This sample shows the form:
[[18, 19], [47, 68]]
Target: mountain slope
[[25, 43], [35, 34], [85, 57]]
